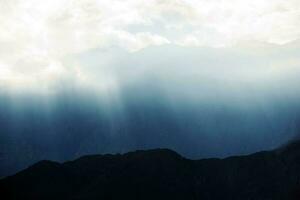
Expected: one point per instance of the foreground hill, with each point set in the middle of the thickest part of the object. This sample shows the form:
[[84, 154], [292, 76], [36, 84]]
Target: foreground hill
[[161, 174]]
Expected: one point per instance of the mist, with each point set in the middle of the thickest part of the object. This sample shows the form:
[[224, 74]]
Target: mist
[[202, 102]]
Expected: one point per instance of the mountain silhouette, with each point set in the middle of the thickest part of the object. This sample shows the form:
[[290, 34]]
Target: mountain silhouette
[[162, 174]]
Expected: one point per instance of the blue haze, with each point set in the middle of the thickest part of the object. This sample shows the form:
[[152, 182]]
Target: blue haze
[[199, 104]]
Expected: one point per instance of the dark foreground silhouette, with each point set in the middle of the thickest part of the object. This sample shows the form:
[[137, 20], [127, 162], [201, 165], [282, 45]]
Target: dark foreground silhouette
[[162, 174]]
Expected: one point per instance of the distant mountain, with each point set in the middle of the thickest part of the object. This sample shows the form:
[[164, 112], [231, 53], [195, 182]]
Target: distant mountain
[[162, 174]]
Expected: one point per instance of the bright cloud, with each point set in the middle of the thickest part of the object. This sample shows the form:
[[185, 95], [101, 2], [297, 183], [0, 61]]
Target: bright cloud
[[36, 36]]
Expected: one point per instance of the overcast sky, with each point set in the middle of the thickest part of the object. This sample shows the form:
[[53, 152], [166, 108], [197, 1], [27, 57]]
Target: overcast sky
[[42, 42]]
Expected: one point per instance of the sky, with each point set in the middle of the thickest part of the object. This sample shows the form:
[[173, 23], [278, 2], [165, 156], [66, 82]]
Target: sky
[[205, 78]]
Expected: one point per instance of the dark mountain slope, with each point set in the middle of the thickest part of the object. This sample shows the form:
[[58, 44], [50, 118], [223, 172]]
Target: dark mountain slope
[[161, 174]]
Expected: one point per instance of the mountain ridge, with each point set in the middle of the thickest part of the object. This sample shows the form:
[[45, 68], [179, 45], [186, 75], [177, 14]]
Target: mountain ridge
[[161, 174]]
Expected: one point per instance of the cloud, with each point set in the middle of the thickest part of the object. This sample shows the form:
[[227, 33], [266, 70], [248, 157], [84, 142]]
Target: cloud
[[36, 36]]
